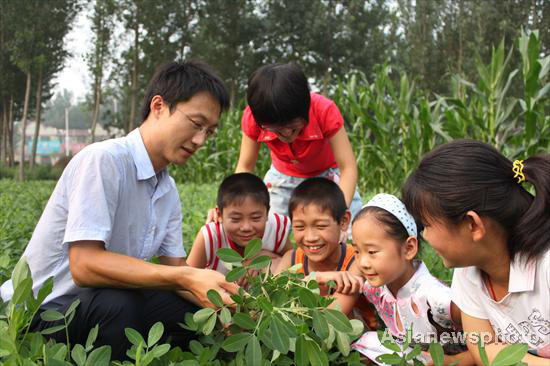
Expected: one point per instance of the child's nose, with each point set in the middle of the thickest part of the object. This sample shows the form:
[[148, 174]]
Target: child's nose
[[311, 235], [364, 261], [246, 226]]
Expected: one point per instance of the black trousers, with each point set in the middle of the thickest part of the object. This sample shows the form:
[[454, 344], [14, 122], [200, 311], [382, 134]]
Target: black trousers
[[116, 309]]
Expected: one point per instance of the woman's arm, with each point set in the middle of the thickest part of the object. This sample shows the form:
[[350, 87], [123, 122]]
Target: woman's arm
[[475, 329], [343, 154], [248, 155]]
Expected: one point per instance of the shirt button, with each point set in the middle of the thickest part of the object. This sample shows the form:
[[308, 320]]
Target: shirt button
[[294, 161]]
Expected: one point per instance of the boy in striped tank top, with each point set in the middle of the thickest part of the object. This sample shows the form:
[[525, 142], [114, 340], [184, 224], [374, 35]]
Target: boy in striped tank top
[[319, 215], [243, 205]]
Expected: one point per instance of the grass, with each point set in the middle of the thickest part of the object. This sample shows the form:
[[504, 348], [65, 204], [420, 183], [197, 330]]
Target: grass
[[21, 205]]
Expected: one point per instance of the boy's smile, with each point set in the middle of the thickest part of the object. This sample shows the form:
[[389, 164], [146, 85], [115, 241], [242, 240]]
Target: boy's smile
[[244, 220], [318, 234]]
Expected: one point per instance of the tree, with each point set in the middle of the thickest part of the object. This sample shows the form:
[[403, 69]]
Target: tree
[[99, 57]]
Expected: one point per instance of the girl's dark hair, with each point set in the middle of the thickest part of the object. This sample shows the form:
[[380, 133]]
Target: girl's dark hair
[[320, 191], [236, 187], [466, 175], [178, 82], [394, 228], [277, 94]]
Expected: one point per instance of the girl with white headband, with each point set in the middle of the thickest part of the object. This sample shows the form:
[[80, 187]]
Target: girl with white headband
[[405, 294]]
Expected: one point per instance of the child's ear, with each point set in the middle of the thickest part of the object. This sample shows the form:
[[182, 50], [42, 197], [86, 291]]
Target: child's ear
[[476, 227], [345, 221], [410, 248]]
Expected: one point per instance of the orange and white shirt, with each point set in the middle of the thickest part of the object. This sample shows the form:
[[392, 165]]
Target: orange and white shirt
[[277, 230]]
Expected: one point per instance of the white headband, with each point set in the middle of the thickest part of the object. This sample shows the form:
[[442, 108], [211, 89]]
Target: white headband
[[394, 206]]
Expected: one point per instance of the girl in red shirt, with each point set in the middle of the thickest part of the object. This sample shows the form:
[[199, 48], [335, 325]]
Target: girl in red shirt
[[304, 132]]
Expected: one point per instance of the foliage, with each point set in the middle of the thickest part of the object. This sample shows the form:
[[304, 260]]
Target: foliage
[[278, 320]]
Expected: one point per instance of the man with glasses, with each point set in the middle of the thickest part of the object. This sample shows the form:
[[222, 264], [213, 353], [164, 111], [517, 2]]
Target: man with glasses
[[115, 207]]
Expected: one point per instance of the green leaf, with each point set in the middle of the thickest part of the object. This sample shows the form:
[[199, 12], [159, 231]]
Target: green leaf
[[20, 272], [22, 292], [134, 336], [100, 356], [259, 262], [52, 330], [300, 356], [155, 333], [307, 298], [358, 327], [338, 320], [225, 316], [482, 353], [510, 355], [72, 307], [343, 342], [244, 321], [196, 347], [265, 304], [436, 351], [252, 248], [229, 255], [45, 290], [392, 359], [159, 350], [320, 325], [279, 337], [202, 315], [92, 336], [253, 351], [78, 354], [316, 356], [415, 353], [208, 327], [235, 274], [51, 315], [215, 298], [235, 342]]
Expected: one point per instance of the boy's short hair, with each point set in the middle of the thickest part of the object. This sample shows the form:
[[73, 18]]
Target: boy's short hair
[[178, 82], [322, 192], [277, 94], [236, 187]]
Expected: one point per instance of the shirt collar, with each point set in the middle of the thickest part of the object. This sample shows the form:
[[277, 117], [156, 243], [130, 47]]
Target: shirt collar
[[521, 277], [141, 158]]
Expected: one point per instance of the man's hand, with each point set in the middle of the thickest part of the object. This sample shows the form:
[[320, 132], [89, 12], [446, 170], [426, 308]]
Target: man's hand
[[347, 283], [207, 279]]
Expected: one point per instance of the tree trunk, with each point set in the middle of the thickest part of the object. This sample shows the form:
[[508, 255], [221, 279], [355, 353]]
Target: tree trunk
[[38, 117], [24, 127], [11, 133], [97, 103], [4, 147], [133, 96]]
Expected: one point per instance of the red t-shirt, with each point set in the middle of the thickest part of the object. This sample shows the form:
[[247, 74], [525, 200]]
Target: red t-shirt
[[310, 153]]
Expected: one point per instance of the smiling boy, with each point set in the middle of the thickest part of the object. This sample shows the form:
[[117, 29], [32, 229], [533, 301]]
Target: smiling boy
[[115, 207]]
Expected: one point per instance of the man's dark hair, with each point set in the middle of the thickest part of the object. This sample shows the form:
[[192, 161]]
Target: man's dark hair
[[236, 187], [178, 82], [278, 93], [323, 193]]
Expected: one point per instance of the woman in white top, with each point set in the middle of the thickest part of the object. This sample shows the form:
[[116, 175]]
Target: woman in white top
[[482, 221]]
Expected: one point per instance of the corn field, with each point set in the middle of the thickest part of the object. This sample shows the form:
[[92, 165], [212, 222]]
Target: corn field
[[392, 124]]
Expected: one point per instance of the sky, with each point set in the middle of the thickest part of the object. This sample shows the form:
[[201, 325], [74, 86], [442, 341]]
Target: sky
[[74, 76]]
